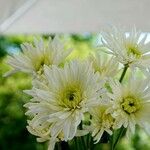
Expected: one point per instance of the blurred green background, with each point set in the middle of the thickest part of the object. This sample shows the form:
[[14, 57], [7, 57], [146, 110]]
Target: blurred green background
[[13, 132]]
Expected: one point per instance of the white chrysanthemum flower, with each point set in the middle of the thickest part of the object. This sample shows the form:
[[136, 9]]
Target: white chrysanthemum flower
[[131, 104], [72, 90], [130, 49], [38, 124], [34, 57], [106, 67], [101, 121], [41, 131]]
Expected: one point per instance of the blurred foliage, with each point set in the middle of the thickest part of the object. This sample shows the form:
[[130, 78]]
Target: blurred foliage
[[13, 132], [3, 43]]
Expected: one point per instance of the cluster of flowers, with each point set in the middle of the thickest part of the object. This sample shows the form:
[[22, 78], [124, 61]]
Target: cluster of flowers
[[64, 91]]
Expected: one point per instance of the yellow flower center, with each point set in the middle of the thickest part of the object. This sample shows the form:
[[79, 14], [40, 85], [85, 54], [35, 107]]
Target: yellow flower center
[[100, 69], [107, 120], [134, 50], [40, 62], [71, 96], [130, 105], [101, 118]]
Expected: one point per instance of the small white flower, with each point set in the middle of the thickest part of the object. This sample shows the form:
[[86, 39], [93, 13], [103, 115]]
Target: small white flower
[[34, 57], [130, 49], [106, 67], [42, 131], [131, 104], [72, 90], [39, 126], [101, 121]]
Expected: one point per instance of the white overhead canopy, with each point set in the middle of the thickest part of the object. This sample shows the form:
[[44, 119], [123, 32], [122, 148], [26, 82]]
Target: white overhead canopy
[[53, 16]]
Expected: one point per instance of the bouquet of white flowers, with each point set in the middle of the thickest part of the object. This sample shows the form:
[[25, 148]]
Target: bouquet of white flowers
[[77, 104]]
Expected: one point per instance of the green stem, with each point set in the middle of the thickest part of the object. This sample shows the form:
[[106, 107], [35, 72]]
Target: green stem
[[64, 145], [57, 146], [76, 143], [123, 73], [91, 146], [121, 131], [88, 140], [83, 142], [82, 137]]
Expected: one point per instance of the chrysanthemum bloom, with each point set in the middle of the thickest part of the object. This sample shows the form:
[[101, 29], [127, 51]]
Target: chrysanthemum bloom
[[101, 121], [34, 57], [38, 124], [106, 67], [41, 129], [130, 49], [131, 104], [72, 90]]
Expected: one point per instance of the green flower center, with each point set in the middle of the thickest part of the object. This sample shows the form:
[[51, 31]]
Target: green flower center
[[107, 120], [100, 69], [71, 96], [134, 50], [40, 62], [101, 118], [130, 105]]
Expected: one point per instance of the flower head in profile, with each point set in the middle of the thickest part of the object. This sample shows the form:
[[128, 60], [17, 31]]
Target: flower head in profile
[[71, 91], [101, 121], [130, 104], [130, 49], [39, 126], [34, 57], [106, 67]]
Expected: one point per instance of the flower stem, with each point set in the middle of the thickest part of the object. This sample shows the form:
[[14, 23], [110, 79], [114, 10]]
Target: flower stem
[[64, 145], [121, 132], [76, 143], [123, 73], [57, 146], [82, 137], [83, 142]]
